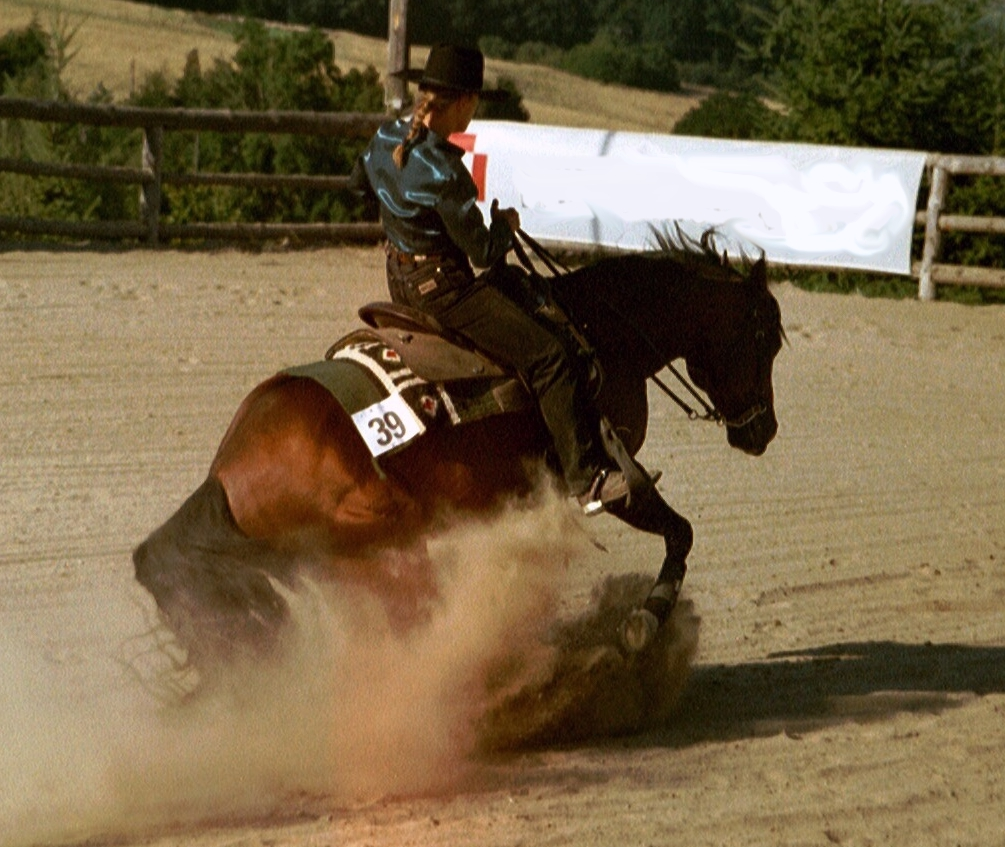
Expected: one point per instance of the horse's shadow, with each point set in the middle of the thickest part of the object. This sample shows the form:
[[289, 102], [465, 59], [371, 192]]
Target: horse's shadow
[[801, 691], [663, 698]]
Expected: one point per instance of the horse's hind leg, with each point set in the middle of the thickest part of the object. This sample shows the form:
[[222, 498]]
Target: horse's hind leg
[[648, 511], [210, 580]]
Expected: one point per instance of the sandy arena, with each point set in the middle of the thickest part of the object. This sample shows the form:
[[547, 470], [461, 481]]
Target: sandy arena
[[849, 681]]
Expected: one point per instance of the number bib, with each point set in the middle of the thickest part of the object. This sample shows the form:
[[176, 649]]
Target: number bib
[[387, 424]]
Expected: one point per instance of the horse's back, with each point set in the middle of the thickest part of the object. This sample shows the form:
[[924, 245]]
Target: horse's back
[[292, 462]]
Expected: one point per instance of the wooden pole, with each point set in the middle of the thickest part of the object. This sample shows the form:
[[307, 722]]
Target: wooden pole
[[396, 88], [930, 252]]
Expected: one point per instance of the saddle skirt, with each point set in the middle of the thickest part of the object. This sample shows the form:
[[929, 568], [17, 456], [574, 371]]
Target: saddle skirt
[[399, 379]]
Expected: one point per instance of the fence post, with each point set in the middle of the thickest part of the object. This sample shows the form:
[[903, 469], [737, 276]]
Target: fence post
[[396, 88], [150, 192], [936, 196]]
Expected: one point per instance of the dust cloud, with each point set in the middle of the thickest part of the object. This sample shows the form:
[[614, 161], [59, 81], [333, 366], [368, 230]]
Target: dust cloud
[[355, 709]]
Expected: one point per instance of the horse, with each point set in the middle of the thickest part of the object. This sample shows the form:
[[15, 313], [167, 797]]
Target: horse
[[294, 479]]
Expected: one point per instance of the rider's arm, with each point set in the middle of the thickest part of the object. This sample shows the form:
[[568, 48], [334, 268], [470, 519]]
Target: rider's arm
[[463, 220]]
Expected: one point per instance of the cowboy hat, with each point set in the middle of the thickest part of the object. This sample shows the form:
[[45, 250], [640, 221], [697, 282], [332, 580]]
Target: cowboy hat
[[453, 69]]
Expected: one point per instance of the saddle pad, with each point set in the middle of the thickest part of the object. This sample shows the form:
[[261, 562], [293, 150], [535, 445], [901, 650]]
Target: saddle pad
[[391, 406]]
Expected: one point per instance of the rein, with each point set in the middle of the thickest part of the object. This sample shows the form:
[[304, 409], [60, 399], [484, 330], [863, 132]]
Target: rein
[[710, 412]]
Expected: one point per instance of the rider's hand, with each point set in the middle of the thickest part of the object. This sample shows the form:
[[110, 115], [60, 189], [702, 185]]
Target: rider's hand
[[511, 216]]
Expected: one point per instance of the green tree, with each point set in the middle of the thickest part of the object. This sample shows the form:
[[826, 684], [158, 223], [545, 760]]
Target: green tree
[[921, 74], [878, 73], [270, 70], [608, 59], [31, 63], [510, 109], [991, 31], [26, 67], [691, 30], [24, 72], [725, 114]]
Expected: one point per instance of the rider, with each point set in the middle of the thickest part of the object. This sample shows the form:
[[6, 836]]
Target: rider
[[436, 232]]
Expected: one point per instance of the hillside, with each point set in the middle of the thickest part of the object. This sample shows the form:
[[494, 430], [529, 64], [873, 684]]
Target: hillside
[[119, 42]]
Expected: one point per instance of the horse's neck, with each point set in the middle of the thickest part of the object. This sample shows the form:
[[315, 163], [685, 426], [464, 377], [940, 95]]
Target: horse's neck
[[634, 316]]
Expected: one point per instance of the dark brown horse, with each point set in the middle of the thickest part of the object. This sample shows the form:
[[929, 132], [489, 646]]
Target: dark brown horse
[[293, 480]]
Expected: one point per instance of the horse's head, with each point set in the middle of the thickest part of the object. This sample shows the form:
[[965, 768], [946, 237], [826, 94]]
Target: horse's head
[[732, 362], [686, 299]]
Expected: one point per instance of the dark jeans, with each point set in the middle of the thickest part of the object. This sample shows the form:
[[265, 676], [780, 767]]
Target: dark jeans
[[477, 308]]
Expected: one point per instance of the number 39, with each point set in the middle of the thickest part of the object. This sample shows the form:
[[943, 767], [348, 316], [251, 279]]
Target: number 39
[[389, 428]]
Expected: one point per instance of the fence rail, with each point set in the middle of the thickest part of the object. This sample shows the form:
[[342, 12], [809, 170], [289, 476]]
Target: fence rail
[[928, 271], [347, 124], [151, 178]]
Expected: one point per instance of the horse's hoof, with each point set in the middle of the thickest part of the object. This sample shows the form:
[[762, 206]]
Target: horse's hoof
[[638, 630]]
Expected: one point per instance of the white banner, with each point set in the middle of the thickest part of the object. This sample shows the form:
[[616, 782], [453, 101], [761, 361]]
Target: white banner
[[802, 204]]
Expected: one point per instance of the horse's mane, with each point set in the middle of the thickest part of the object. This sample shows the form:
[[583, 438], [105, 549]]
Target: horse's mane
[[701, 255]]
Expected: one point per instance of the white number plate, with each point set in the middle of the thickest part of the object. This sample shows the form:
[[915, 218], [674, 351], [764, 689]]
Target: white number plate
[[387, 424]]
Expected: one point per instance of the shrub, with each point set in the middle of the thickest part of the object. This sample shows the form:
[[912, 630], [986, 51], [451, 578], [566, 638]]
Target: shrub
[[898, 73], [23, 53], [982, 196], [496, 47], [270, 70], [647, 65], [510, 109], [728, 115], [538, 53]]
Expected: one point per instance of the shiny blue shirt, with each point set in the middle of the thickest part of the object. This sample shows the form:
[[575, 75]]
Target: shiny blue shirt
[[429, 205]]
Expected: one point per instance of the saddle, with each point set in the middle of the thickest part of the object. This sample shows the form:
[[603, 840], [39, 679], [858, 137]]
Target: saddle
[[404, 374], [398, 378], [431, 351]]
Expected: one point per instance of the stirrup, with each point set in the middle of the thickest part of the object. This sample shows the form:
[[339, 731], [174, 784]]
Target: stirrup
[[609, 486], [599, 496]]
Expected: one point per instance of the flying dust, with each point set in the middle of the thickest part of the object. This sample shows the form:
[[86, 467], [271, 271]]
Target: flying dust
[[355, 709]]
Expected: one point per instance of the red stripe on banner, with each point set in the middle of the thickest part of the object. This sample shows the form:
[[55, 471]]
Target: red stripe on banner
[[466, 141], [478, 168]]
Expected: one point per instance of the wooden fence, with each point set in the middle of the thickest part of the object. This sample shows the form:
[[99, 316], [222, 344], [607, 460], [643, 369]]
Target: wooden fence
[[151, 178], [935, 222]]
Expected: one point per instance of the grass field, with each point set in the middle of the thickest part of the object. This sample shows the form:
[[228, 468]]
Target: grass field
[[119, 42]]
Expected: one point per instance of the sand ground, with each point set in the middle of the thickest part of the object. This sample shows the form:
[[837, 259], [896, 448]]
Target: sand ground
[[849, 681]]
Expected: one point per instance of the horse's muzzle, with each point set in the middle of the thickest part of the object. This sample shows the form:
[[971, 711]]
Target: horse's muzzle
[[756, 432]]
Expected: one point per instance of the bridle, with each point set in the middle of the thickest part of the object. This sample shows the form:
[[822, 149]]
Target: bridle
[[709, 411]]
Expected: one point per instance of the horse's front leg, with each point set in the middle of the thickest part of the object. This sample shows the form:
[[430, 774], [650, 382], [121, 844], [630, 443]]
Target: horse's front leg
[[648, 511]]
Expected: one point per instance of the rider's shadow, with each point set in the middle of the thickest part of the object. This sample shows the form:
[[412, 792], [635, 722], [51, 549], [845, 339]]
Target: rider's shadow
[[801, 691]]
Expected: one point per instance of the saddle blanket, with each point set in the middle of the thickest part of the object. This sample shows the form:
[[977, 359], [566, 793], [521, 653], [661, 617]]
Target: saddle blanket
[[391, 405]]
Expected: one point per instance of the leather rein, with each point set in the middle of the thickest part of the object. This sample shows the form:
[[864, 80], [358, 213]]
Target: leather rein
[[710, 413]]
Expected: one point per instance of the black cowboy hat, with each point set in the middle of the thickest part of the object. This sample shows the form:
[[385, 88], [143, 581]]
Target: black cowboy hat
[[454, 69]]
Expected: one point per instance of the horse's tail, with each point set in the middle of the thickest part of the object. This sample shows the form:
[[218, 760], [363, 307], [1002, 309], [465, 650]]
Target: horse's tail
[[210, 580]]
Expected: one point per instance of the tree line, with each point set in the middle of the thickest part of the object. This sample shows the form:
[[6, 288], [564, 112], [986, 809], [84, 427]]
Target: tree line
[[695, 31], [269, 70], [926, 74]]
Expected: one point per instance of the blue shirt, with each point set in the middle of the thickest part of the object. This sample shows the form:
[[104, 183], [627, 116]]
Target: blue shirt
[[429, 205]]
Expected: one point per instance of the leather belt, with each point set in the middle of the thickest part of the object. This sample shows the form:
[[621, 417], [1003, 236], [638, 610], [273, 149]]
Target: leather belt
[[412, 258]]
